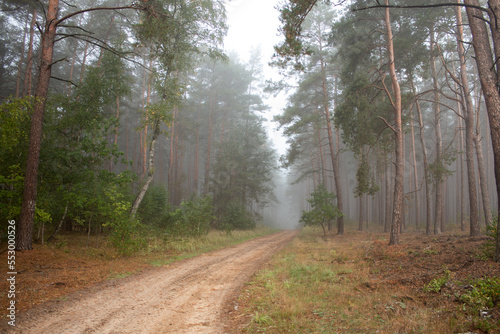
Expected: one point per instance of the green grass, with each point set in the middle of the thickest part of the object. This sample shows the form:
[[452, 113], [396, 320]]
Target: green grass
[[164, 251], [318, 286]]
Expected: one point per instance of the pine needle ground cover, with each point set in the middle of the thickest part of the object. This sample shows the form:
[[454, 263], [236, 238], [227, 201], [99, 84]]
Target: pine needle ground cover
[[356, 283]]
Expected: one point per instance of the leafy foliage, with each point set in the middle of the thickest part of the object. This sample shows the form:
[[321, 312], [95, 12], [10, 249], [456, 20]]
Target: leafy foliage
[[154, 207], [483, 293], [193, 218], [124, 229], [14, 128], [322, 210], [236, 216]]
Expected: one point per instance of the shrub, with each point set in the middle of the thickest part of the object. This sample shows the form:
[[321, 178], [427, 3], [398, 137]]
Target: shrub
[[437, 284], [322, 210], [154, 206], [193, 218], [236, 217], [124, 229], [488, 247], [484, 293]]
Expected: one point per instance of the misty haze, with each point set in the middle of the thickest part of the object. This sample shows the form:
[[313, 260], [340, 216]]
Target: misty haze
[[247, 166]]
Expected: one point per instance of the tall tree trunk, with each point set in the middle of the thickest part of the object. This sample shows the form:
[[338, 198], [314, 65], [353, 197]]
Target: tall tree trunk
[[469, 142], [483, 181], [415, 170], [150, 172], [28, 74], [84, 60], [397, 208], [333, 154], [488, 75], [25, 228], [462, 183], [361, 215], [21, 58], [387, 219], [209, 145], [172, 162], [322, 160], [197, 155], [145, 134], [439, 142], [428, 201]]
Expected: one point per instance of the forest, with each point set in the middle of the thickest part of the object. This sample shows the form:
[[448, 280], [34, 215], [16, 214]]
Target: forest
[[130, 118]]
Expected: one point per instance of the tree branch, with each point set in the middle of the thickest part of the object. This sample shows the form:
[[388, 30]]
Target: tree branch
[[451, 4], [387, 123], [133, 6]]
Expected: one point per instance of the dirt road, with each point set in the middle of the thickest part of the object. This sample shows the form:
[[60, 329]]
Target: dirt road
[[186, 297]]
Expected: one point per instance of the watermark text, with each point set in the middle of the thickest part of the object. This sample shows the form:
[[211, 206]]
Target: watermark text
[[11, 272]]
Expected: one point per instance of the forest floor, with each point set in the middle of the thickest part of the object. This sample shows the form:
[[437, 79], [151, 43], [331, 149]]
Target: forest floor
[[187, 296], [343, 284], [356, 283]]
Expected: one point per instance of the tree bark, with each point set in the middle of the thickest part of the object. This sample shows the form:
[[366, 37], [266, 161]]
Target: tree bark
[[387, 216], [428, 201], [209, 146], [333, 154], [488, 76], [483, 180], [469, 131], [150, 171], [439, 143], [415, 170], [25, 228], [397, 208]]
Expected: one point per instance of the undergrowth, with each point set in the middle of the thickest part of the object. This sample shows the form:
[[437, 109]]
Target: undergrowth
[[356, 283]]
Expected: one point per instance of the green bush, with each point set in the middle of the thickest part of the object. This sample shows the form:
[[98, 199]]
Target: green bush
[[154, 206], [124, 230], [322, 210], [236, 217], [488, 247], [484, 293], [193, 218], [437, 284]]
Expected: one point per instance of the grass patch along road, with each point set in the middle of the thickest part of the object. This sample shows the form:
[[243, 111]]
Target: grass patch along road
[[356, 283]]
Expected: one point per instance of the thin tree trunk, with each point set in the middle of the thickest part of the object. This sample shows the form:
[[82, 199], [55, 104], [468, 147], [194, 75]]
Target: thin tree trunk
[[397, 209], [428, 201], [72, 68], [483, 181], [333, 154], [25, 228], [58, 228], [387, 220], [29, 67], [21, 58], [150, 172], [462, 183], [439, 142], [82, 72], [488, 75], [197, 155], [209, 146], [361, 212], [469, 135], [172, 162], [415, 170], [145, 134]]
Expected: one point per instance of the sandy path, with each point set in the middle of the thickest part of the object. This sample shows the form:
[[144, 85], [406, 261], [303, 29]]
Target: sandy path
[[187, 297]]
